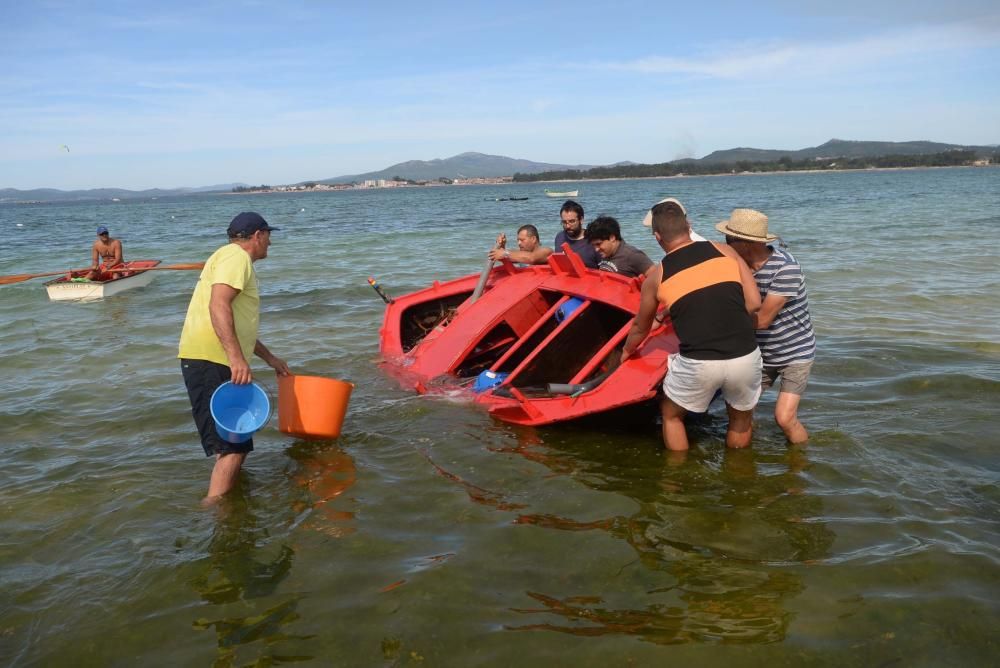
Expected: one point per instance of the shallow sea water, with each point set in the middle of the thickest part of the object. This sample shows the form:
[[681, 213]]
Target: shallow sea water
[[429, 534]]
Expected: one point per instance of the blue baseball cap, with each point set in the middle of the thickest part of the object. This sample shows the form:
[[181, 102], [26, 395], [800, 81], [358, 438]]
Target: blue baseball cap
[[248, 222], [102, 230]]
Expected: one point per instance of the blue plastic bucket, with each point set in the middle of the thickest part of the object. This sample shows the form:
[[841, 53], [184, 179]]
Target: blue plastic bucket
[[239, 410], [488, 379], [568, 307]]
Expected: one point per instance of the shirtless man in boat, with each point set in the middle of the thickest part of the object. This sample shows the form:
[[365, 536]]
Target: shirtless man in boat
[[105, 254], [531, 249]]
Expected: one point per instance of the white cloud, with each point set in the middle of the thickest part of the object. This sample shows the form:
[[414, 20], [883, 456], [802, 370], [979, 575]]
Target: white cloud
[[749, 59]]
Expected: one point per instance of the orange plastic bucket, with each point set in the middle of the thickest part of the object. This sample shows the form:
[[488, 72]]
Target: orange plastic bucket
[[312, 406]]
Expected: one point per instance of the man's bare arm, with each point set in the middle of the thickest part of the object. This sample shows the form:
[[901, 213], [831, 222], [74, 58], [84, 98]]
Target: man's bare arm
[[643, 321], [537, 256], [769, 308], [220, 308], [751, 296], [273, 361]]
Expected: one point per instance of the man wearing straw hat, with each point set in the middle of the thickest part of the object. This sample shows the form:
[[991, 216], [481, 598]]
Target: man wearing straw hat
[[784, 328], [710, 296], [219, 336]]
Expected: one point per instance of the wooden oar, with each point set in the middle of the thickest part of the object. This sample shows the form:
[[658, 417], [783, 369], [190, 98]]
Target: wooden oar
[[184, 266], [483, 277], [17, 278]]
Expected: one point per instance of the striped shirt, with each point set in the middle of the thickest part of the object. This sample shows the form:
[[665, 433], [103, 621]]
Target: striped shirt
[[790, 337]]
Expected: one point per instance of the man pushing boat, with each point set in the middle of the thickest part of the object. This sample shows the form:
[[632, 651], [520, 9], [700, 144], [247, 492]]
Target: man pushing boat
[[530, 250], [220, 334], [711, 297]]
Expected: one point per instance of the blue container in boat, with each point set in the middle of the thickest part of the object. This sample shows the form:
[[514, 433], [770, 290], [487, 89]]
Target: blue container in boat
[[488, 379], [568, 307], [239, 410]]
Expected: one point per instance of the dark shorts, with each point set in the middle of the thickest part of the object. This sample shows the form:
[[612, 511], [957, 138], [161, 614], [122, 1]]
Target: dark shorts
[[202, 378]]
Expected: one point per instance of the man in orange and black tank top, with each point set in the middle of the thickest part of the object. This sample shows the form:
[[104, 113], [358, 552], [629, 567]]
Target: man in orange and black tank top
[[710, 296]]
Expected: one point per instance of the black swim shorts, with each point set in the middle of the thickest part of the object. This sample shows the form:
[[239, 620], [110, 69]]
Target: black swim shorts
[[202, 378]]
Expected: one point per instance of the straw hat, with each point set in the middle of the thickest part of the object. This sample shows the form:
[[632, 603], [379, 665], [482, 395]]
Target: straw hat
[[648, 220], [746, 224]]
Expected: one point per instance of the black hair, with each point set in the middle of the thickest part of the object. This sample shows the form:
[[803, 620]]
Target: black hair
[[603, 227], [570, 205]]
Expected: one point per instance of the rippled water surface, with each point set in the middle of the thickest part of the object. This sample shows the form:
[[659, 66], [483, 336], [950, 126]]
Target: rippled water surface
[[429, 534]]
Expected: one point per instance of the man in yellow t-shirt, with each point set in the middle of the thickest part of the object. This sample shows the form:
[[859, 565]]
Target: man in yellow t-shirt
[[220, 334]]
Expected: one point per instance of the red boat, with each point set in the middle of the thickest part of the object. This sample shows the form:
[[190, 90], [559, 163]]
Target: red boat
[[540, 345]]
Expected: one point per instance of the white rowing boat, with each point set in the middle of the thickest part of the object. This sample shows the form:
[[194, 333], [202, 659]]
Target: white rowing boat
[[74, 287], [567, 193]]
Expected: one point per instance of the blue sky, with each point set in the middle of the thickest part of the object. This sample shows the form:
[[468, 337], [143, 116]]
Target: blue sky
[[190, 94]]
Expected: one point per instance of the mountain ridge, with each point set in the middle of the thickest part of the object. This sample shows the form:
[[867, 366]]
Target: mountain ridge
[[471, 164]]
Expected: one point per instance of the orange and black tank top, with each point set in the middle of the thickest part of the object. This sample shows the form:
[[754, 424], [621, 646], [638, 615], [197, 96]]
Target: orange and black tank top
[[702, 291]]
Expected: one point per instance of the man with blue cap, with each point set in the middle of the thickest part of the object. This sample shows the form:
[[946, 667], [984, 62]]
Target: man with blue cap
[[219, 336], [105, 254]]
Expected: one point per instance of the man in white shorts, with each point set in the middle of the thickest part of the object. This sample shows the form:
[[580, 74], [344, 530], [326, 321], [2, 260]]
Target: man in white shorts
[[710, 296]]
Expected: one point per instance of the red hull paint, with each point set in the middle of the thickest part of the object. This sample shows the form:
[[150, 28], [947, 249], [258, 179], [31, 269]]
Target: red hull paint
[[512, 328]]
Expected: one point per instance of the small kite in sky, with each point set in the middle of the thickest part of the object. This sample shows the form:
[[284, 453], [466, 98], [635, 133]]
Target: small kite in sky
[[64, 147]]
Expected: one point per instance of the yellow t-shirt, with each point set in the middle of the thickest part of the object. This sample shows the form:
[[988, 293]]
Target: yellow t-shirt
[[230, 265]]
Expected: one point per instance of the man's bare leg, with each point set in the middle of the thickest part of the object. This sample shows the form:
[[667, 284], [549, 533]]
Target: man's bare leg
[[786, 414], [674, 431], [224, 474], [740, 428]]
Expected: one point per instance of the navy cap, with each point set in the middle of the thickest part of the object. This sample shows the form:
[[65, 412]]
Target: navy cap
[[102, 230], [248, 222]]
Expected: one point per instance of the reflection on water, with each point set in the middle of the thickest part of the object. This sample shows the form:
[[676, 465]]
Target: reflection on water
[[324, 473], [246, 565], [729, 527]]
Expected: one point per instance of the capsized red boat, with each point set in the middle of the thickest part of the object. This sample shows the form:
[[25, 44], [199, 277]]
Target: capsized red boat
[[540, 345]]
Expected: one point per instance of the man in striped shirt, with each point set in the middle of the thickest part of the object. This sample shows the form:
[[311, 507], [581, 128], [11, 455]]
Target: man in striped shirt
[[784, 329]]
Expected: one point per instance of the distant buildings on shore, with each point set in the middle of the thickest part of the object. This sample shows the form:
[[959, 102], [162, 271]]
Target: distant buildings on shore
[[375, 183]]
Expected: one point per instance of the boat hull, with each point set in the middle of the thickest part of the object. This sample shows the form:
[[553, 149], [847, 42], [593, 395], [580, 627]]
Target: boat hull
[[65, 289], [549, 336], [567, 193]]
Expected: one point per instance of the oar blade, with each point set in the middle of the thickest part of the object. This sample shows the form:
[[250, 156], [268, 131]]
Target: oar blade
[[17, 278]]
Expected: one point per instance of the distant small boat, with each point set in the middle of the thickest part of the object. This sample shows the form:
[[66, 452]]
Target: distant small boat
[[566, 193], [75, 287], [509, 199]]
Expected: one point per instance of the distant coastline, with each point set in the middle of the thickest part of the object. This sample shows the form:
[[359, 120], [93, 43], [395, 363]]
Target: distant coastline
[[508, 181], [835, 155], [784, 164]]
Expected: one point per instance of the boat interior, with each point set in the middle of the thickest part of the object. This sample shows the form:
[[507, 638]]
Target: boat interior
[[547, 339]]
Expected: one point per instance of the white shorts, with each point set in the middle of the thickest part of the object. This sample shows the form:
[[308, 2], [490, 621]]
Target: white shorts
[[691, 384]]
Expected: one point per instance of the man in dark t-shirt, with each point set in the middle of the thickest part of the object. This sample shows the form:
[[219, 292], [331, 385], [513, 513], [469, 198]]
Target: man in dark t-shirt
[[711, 298], [571, 215], [605, 235]]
